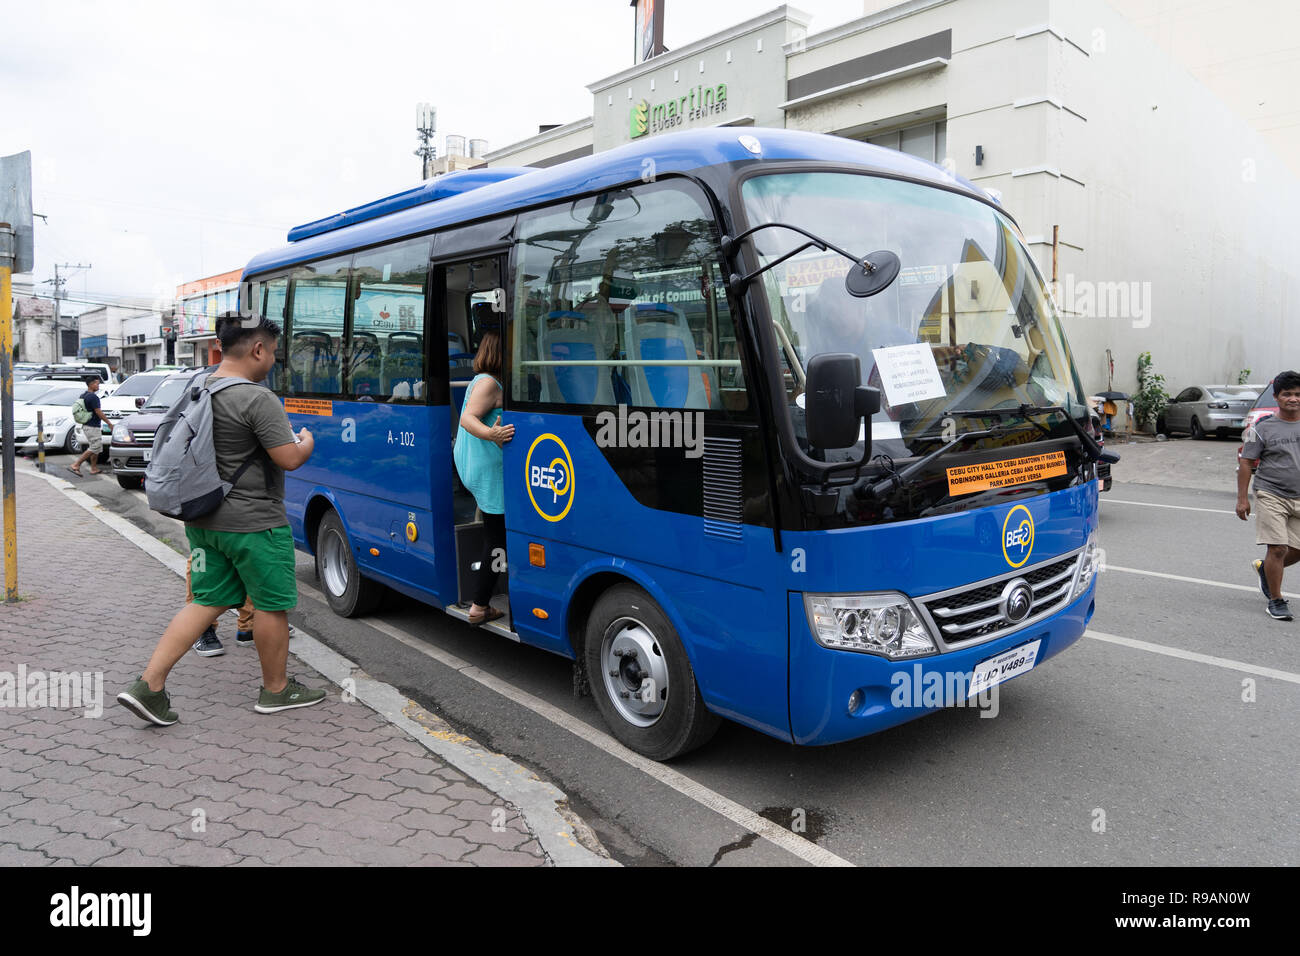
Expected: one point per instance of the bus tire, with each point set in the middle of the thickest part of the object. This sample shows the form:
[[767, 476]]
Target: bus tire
[[348, 593], [628, 639]]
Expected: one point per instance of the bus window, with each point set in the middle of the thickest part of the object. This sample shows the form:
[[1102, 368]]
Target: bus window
[[620, 300], [316, 327], [387, 359], [270, 303]]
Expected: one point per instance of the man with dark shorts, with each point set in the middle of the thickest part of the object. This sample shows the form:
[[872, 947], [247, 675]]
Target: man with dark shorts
[[1271, 450], [244, 548]]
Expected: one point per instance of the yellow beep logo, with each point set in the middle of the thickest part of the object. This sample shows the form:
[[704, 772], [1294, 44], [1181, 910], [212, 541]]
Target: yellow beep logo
[[1018, 536], [550, 479]]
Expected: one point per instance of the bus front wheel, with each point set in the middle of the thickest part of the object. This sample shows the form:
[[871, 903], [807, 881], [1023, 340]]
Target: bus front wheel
[[641, 677], [348, 593]]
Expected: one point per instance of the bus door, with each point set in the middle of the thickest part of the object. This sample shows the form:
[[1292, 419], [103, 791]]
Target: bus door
[[472, 302]]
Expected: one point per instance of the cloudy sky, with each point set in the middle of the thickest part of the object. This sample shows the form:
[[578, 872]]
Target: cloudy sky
[[173, 140]]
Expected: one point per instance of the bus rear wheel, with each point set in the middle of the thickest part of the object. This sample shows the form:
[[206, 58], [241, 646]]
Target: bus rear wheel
[[641, 677], [348, 593]]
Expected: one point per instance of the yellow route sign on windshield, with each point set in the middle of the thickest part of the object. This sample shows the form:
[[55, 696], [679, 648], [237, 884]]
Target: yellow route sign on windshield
[[965, 479]]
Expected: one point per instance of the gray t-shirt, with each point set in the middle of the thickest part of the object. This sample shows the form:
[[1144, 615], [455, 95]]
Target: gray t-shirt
[[1276, 445], [245, 420]]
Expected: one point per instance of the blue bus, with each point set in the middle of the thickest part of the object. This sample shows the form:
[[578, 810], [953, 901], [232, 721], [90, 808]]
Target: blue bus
[[795, 424]]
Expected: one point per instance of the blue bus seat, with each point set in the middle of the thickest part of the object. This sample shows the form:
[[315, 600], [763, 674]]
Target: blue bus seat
[[404, 365], [656, 331], [573, 336], [367, 364], [312, 363]]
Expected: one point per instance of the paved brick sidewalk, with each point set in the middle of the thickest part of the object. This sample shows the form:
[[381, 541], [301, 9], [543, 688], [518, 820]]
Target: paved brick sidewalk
[[328, 785]]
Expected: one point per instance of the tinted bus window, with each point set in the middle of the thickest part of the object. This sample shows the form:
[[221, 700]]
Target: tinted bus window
[[271, 304], [316, 327], [387, 357], [620, 300]]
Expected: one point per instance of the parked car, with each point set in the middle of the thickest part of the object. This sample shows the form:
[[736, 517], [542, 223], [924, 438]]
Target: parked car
[[75, 373], [132, 439], [1265, 406], [131, 394], [1201, 410], [61, 431]]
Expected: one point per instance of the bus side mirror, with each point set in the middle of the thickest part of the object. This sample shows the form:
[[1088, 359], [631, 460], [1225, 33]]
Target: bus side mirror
[[837, 401]]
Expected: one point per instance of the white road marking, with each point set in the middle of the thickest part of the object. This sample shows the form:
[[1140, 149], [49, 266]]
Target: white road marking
[[1223, 662], [1184, 578], [1152, 504], [740, 815]]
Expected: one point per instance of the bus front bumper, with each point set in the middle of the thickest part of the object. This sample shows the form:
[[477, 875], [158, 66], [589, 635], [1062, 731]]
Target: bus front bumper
[[825, 683]]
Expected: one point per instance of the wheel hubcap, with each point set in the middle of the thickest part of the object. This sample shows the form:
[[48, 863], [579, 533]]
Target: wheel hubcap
[[334, 564], [634, 671]]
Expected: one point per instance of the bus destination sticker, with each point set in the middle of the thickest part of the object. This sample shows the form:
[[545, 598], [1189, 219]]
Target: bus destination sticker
[[965, 479], [308, 406]]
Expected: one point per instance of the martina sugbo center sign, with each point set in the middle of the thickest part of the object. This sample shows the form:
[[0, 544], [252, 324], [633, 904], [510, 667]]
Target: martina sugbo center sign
[[701, 102]]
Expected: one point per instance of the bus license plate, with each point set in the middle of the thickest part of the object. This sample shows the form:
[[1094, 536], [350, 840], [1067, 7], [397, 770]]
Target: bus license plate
[[1005, 666], [148, 453]]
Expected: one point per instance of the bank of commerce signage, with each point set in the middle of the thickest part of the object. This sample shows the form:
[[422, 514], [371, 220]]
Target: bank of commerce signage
[[700, 102]]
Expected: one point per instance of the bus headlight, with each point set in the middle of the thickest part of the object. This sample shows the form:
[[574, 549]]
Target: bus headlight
[[1089, 564], [884, 623]]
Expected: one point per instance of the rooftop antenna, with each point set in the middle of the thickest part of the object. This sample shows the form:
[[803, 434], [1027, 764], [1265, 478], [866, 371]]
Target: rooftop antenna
[[426, 123]]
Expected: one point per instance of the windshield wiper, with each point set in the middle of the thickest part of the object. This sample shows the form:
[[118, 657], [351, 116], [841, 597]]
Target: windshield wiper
[[1093, 451], [899, 478]]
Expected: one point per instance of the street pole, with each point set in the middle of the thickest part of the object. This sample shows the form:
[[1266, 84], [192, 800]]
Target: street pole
[[40, 441], [7, 414]]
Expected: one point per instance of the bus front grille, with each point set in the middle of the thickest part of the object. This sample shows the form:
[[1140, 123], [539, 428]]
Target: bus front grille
[[972, 614]]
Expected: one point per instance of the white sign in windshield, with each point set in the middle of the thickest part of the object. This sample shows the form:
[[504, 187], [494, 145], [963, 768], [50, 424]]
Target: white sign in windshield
[[908, 373]]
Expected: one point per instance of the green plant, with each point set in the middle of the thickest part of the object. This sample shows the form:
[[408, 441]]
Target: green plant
[[1150, 398], [1243, 377]]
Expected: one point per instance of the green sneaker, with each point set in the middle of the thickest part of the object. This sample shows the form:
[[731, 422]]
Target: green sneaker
[[293, 695], [151, 705]]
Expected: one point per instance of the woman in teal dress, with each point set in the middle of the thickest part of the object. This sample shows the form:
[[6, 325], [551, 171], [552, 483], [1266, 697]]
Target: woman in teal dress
[[479, 463]]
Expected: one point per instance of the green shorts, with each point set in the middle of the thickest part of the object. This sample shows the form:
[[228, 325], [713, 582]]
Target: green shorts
[[227, 566]]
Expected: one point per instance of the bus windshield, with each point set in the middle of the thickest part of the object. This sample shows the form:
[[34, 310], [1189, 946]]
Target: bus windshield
[[967, 324]]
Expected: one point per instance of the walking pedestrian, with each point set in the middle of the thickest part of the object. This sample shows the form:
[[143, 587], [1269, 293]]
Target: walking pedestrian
[[91, 429], [208, 644], [1271, 451], [245, 544], [480, 464]]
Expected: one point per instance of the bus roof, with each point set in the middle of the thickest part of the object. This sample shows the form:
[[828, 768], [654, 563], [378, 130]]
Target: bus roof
[[487, 193]]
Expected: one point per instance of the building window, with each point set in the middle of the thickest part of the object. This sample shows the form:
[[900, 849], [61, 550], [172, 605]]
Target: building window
[[928, 141]]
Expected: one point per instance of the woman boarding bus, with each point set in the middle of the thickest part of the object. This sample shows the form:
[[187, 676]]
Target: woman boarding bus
[[796, 426]]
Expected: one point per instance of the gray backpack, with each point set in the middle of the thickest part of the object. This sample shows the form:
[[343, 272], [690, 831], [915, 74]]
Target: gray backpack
[[181, 480]]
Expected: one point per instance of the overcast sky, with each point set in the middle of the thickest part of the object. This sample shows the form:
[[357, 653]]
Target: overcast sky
[[172, 141]]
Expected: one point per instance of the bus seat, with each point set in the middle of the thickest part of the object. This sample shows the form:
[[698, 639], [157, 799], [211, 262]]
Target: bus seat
[[404, 363], [655, 332], [367, 364], [456, 342], [312, 365], [578, 384]]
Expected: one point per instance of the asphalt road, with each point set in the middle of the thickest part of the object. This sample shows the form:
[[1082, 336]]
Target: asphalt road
[[1174, 744]]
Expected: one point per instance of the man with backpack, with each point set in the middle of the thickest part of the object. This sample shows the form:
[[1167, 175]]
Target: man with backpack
[[219, 462], [87, 414]]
